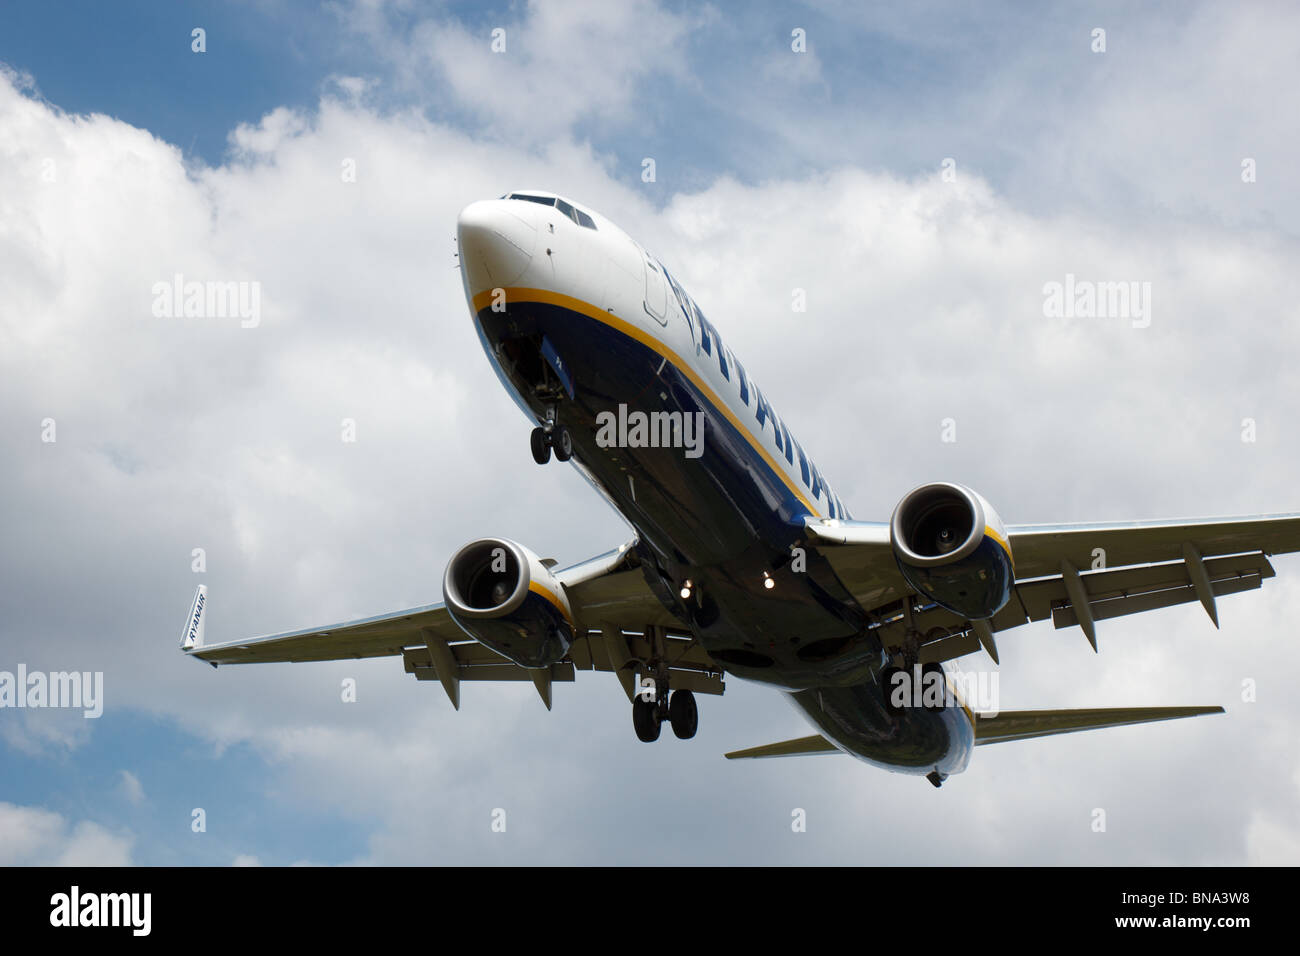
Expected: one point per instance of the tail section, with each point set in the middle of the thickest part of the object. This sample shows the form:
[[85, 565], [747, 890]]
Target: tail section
[[192, 634]]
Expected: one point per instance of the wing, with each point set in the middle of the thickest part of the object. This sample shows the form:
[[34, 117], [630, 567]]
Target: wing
[[1132, 566], [618, 619]]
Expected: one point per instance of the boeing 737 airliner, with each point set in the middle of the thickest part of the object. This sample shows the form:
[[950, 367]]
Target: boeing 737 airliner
[[745, 561]]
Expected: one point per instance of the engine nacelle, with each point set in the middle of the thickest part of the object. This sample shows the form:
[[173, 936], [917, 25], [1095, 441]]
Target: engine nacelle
[[952, 548], [502, 595]]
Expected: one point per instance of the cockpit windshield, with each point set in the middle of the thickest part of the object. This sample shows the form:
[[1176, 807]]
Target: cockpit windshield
[[577, 215]]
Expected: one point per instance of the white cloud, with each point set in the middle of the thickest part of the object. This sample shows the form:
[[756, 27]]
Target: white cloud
[[48, 732], [131, 788], [268, 135], [1272, 843], [31, 836], [552, 66]]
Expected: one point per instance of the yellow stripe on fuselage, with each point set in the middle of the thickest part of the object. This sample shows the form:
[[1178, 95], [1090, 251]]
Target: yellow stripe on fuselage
[[546, 297]]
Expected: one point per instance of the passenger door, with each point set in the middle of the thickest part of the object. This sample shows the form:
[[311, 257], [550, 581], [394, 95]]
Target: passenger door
[[656, 290]]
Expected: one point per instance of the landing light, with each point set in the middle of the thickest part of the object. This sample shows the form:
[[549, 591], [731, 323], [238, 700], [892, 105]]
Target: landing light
[[767, 581], [686, 590]]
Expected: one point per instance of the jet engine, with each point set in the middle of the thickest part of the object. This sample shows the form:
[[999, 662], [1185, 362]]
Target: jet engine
[[503, 596], [952, 547]]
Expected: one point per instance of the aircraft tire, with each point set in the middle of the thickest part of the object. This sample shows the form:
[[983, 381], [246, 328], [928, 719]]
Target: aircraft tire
[[540, 445], [683, 714], [646, 719]]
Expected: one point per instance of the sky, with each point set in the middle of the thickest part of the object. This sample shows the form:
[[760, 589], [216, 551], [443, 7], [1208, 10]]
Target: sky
[[922, 171]]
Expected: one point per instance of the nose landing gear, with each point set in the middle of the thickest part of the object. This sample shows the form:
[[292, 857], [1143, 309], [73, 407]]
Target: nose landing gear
[[541, 446], [550, 436]]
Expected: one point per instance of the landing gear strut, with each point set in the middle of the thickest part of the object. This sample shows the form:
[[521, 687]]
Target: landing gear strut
[[654, 704], [548, 436]]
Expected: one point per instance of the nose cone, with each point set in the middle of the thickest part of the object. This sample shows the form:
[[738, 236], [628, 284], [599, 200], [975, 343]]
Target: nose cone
[[496, 243]]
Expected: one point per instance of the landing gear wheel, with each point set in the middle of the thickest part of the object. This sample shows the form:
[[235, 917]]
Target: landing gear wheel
[[562, 442], [683, 714], [646, 719], [541, 445]]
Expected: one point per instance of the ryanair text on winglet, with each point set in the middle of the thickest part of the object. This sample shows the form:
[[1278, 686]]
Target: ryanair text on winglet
[[192, 631], [102, 909]]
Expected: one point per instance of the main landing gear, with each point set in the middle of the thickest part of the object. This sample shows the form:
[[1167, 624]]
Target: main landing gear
[[551, 436], [679, 709], [898, 683], [653, 703]]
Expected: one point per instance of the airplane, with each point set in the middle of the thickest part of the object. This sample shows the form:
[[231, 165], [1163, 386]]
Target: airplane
[[745, 562]]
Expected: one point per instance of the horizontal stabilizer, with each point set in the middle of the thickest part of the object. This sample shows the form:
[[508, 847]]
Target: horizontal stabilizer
[[816, 744], [1023, 724]]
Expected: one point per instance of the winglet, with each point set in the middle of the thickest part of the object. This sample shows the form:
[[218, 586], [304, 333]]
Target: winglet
[[192, 633]]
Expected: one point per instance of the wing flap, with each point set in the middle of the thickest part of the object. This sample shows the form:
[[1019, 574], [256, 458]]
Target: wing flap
[[1151, 600], [1110, 594], [416, 663], [690, 668], [1042, 597]]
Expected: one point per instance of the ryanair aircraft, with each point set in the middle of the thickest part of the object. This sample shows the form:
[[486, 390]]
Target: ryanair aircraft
[[745, 561]]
